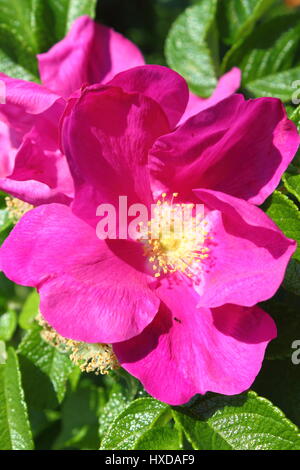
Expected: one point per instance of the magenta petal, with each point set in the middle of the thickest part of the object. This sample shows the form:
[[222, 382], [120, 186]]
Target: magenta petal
[[90, 53], [88, 292], [40, 173], [188, 350], [238, 147], [7, 151], [106, 136], [161, 84], [227, 85], [31, 97], [248, 253]]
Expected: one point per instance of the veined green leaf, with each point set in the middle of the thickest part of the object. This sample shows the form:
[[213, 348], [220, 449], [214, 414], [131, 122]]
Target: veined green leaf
[[241, 422], [188, 48], [15, 433], [159, 438], [237, 17], [29, 27], [140, 416], [8, 323], [265, 54], [292, 278], [45, 371], [286, 215]]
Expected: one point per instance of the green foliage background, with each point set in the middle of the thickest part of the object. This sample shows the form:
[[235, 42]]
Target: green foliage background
[[45, 402]]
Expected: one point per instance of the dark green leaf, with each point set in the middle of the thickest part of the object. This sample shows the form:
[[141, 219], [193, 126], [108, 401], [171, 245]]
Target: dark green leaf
[[241, 422], [62, 13], [279, 381], [237, 17], [80, 411], [15, 432], [284, 309], [29, 27], [292, 277]]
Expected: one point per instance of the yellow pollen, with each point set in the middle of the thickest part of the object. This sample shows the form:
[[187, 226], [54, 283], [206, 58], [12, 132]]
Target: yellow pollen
[[175, 238], [16, 208], [97, 357]]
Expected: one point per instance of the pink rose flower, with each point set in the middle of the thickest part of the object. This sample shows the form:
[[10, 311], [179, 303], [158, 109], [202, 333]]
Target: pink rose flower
[[184, 330], [32, 167]]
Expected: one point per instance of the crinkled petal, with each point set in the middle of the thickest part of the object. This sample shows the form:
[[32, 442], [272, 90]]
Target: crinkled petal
[[89, 291], [188, 350], [31, 97], [161, 84], [106, 137], [238, 147], [40, 173], [90, 53], [7, 151], [227, 85], [248, 253]]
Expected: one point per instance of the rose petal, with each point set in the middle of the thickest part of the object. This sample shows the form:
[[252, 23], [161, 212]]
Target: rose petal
[[90, 53], [187, 350]]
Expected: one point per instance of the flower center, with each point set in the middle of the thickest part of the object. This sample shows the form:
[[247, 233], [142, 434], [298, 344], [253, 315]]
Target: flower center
[[175, 237]]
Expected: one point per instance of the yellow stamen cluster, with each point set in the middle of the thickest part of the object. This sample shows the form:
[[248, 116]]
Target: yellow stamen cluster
[[174, 239], [98, 358], [16, 208]]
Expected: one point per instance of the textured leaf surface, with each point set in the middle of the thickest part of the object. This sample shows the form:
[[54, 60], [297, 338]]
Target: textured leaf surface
[[189, 47], [132, 423], [29, 311], [242, 422], [15, 432], [237, 17], [278, 85], [45, 371], [287, 216], [265, 54], [28, 27], [159, 438], [80, 412], [279, 381], [292, 184]]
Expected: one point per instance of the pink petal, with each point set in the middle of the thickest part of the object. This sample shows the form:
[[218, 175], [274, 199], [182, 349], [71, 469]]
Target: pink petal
[[106, 136], [31, 97], [41, 173], [248, 253], [188, 350], [89, 291], [238, 147], [227, 85], [161, 84], [90, 53], [7, 152]]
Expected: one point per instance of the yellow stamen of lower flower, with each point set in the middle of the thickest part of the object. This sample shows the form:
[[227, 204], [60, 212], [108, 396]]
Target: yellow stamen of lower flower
[[16, 208], [175, 238], [97, 357]]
